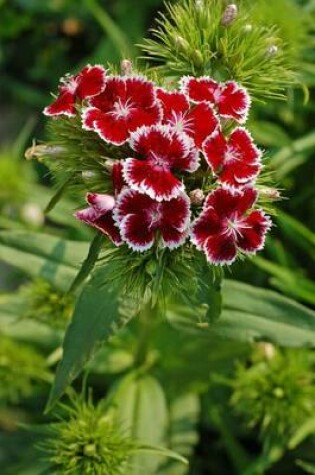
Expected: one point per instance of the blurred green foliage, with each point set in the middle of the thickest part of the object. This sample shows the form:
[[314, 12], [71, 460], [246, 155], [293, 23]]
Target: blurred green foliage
[[39, 42]]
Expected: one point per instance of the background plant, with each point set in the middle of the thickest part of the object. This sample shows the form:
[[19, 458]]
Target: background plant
[[176, 385]]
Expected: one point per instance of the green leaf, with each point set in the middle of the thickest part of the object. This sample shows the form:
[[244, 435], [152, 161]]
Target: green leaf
[[96, 318], [182, 431], [306, 429], [251, 314], [58, 194], [288, 281], [138, 399], [41, 255], [306, 466], [89, 262], [12, 325]]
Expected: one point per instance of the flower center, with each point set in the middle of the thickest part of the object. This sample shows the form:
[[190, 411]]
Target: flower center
[[159, 161], [235, 225], [155, 217], [231, 156], [71, 83], [122, 108]]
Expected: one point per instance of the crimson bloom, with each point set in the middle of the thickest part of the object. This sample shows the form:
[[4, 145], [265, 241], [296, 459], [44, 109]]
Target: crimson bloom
[[235, 160], [99, 215], [231, 100], [160, 150], [126, 104], [88, 83], [228, 224], [196, 120], [141, 219]]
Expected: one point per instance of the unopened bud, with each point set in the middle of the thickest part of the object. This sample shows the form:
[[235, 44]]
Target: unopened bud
[[271, 193], [197, 196], [268, 350], [229, 14], [272, 50], [126, 67], [248, 28], [181, 44], [32, 214], [197, 58], [90, 450], [40, 152], [199, 5], [88, 175]]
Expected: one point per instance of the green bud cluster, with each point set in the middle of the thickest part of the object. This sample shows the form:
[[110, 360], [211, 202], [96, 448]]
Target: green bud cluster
[[223, 41], [276, 392], [86, 440], [21, 369], [47, 305]]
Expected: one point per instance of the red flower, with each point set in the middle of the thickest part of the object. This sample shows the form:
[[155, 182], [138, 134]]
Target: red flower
[[140, 218], [88, 83], [160, 150], [126, 104], [235, 160], [228, 224], [99, 215], [198, 121], [231, 100]]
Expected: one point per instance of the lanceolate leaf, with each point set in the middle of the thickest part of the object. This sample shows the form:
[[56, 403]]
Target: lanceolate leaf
[[42, 255], [250, 314], [89, 262], [96, 318], [142, 412], [182, 432]]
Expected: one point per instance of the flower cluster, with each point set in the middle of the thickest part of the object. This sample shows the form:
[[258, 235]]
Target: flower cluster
[[188, 169]]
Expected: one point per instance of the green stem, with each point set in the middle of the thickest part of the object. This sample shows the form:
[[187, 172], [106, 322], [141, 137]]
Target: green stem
[[146, 323]]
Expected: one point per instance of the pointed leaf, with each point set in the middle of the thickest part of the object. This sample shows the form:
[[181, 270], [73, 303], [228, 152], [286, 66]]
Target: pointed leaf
[[96, 318], [250, 314], [41, 255], [138, 398]]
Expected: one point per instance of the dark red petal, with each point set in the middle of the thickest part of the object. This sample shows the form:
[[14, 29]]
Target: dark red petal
[[175, 213], [139, 117], [173, 238], [107, 225], [209, 223], [117, 177], [251, 235], [89, 116], [237, 174], [242, 146], [201, 89], [214, 149], [225, 202], [245, 200], [90, 81], [132, 202], [233, 102], [201, 122], [220, 249], [140, 92], [160, 143], [115, 89], [63, 105], [157, 182], [136, 232], [112, 129], [174, 104], [104, 223], [100, 202]]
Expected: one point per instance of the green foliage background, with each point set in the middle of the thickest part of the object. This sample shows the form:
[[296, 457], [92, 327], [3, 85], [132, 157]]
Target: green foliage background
[[207, 391]]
